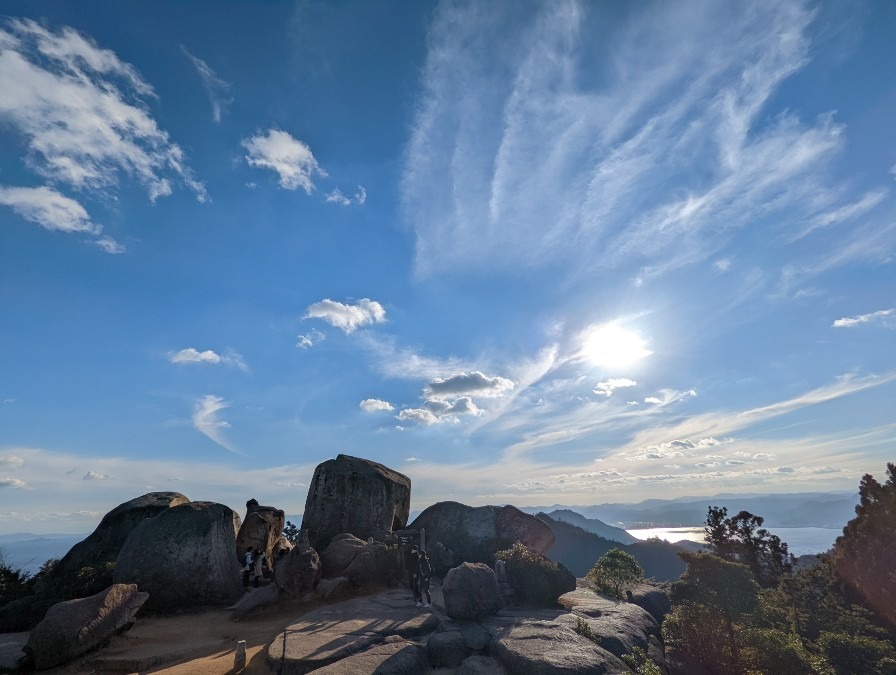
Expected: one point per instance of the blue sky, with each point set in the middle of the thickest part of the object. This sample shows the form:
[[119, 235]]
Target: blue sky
[[523, 252]]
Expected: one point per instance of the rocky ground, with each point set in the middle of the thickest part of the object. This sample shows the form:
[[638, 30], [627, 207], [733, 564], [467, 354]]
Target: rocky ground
[[381, 630]]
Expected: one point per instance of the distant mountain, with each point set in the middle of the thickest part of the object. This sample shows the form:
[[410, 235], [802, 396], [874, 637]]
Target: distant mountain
[[28, 552], [804, 509], [598, 527], [579, 549]]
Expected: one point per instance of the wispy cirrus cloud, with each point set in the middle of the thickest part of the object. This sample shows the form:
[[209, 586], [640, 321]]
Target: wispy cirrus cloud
[[217, 89], [336, 196], [879, 316], [290, 158], [347, 317], [191, 355], [14, 483], [520, 154], [83, 113], [207, 421]]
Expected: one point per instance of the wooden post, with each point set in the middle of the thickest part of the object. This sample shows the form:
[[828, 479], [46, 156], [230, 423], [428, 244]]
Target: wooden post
[[239, 658]]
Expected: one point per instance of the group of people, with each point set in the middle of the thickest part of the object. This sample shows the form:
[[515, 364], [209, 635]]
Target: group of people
[[419, 572], [254, 563]]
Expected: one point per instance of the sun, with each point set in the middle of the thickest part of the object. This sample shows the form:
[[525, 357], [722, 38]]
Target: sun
[[613, 347]]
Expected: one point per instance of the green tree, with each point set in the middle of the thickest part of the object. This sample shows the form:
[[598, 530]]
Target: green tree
[[712, 594], [291, 532], [851, 654], [615, 569], [864, 556], [742, 539], [14, 583]]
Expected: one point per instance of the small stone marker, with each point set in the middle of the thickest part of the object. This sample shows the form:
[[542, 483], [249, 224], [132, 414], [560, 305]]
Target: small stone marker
[[239, 658]]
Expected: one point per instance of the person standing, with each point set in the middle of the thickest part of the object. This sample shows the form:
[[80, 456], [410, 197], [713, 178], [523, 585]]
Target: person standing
[[424, 571], [247, 566], [257, 567], [412, 568]]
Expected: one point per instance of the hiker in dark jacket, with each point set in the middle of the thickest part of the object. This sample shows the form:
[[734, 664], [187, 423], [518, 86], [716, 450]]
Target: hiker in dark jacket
[[424, 570], [412, 567]]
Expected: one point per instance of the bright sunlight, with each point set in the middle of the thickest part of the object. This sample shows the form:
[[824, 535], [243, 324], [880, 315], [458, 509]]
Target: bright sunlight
[[614, 347]]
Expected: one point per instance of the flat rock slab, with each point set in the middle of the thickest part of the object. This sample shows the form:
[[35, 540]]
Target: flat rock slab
[[11, 650], [395, 658], [329, 634], [548, 647]]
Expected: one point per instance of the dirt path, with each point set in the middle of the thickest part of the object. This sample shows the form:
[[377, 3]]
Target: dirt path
[[203, 643]]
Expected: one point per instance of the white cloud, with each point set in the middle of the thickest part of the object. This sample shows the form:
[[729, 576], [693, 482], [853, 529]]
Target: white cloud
[[207, 422], [309, 339], [337, 197], [520, 158], [370, 405], [347, 318], [607, 387], [192, 356], [677, 448], [110, 246], [848, 322], [83, 113], [476, 383], [437, 410], [722, 265], [411, 459], [217, 89], [48, 208], [14, 483], [653, 399], [291, 159], [95, 475], [10, 461]]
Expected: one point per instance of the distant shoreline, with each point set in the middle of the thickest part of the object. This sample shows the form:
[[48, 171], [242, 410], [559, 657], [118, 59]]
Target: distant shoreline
[[800, 540]]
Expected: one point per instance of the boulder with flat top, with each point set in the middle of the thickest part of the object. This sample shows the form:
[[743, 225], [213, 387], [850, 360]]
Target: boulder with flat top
[[350, 494]]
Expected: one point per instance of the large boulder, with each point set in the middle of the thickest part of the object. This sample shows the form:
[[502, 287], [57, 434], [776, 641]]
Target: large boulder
[[298, 572], [470, 591], [262, 529], [350, 494], [103, 545], [457, 533], [365, 564], [73, 627], [184, 557]]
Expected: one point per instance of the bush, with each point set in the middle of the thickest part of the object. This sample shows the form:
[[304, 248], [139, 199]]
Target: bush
[[640, 664], [615, 569], [772, 651], [535, 579], [14, 583], [850, 654]]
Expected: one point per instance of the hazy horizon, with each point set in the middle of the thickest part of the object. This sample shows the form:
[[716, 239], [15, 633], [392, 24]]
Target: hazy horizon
[[526, 253]]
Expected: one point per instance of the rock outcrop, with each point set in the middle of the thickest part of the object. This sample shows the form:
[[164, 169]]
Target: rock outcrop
[[74, 627], [364, 564], [457, 533], [104, 543], [184, 557], [350, 494], [384, 633], [262, 529], [471, 591], [340, 634], [298, 572]]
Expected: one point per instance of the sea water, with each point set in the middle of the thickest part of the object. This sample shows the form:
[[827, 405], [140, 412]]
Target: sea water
[[800, 540]]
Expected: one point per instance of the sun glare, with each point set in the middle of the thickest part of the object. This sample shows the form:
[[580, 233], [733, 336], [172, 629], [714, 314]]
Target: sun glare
[[614, 347]]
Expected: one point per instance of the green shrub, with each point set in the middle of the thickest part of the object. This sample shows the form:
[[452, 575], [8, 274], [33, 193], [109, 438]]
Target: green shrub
[[768, 650], [849, 654], [639, 663], [535, 579], [14, 582], [615, 569]]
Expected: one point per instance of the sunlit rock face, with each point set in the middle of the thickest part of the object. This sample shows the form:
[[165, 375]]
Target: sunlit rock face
[[262, 529], [184, 557], [354, 495], [106, 541]]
